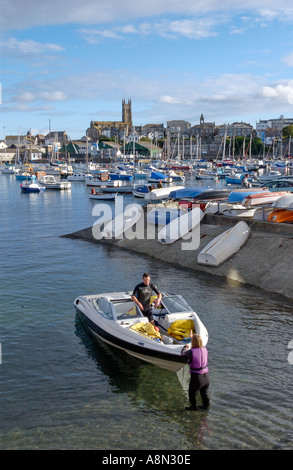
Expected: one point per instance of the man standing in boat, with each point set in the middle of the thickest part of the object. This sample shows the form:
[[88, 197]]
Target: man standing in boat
[[141, 296]]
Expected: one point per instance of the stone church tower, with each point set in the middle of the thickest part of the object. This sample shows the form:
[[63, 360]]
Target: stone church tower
[[126, 112]]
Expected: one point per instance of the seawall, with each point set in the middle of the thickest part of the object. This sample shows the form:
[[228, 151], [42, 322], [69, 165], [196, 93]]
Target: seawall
[[265, 261]]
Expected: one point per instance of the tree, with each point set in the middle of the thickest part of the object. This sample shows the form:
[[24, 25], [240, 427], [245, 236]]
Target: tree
[[287, 131]]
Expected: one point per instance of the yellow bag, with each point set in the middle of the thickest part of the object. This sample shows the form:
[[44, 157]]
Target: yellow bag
[[181, 329]]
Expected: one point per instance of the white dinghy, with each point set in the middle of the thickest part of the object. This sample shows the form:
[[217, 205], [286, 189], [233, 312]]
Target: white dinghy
[[123, 222], [180, 226], [224, 245]]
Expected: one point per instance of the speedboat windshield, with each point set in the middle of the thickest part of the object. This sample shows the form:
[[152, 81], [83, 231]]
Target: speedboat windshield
[[175, 304], [125, 309]]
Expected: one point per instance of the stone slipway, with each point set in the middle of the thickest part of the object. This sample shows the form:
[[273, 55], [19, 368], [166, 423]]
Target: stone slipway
[[265, 261]]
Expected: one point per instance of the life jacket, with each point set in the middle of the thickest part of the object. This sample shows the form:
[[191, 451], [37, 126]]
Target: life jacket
[[199, 361]]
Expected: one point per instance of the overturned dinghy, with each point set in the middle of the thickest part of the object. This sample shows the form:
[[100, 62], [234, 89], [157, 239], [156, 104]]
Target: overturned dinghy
[[123, 222], [180, 226], [224, 245]]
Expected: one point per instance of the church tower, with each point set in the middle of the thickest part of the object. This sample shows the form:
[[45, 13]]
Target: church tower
[[126, 112]]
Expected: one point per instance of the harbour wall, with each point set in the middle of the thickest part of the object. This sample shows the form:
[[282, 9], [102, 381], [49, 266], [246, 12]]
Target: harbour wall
[[265, 261]]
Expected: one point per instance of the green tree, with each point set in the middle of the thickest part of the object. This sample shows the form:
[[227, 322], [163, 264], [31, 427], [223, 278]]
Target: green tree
[[287, 131]]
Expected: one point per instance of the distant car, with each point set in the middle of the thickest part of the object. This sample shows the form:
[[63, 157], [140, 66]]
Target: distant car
[[279, 185]]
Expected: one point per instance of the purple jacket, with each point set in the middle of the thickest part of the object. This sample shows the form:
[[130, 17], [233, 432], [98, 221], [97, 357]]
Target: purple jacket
[[197, 360]]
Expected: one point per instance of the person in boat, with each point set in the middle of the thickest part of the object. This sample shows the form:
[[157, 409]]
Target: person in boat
[[244, 182], [141, 296], [199, 372], [159, 185]]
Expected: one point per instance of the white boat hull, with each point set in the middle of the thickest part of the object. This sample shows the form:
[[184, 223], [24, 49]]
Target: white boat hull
[[123, 222], [179, 227], [103, 196], [118, 331], [262, 198], [161, 193], [163, 215], [225, 245], [284, 202]]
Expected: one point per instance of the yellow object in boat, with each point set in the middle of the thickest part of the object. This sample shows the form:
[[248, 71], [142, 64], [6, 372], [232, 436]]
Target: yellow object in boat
[[181, 329], [146, 329]]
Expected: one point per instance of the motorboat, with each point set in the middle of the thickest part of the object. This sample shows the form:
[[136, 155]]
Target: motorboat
[[50, 182], [92, 181], [206, 175], [141, 190], [115, 319], [31, 187]]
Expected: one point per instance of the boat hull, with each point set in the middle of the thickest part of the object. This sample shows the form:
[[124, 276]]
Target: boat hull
[[117, 227], [104, 196], [179, 227], [173, 362], [225, 245], [281, 216]]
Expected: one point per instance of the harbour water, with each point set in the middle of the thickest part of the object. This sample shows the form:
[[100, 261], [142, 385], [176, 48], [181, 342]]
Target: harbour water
[[60, 390]]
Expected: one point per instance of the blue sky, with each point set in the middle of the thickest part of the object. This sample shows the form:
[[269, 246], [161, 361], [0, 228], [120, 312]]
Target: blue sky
[[68, 62]]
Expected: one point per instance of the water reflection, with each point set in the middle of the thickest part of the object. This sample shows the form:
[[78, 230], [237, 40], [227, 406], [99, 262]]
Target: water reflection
[[151, 390]]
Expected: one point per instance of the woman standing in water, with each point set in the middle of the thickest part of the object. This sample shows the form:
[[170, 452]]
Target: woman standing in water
[[199, 373]]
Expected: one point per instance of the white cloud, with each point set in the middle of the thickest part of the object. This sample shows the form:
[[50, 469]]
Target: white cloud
[[27, 47], [53, 95], [192, 29], [281, 92]]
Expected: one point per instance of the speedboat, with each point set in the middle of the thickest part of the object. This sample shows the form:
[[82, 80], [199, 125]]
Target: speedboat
[[30, 187], [50, 182], [115, 319]]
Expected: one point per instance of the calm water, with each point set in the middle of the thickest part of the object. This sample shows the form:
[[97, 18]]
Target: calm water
[[59, 390]]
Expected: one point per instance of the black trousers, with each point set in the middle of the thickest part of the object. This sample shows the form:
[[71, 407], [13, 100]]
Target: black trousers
[[199, 383]]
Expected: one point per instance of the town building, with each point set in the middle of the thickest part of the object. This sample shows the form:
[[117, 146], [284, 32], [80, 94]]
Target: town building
[[111, 129]]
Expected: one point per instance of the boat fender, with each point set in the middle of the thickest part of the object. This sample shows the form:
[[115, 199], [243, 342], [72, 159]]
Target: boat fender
[[93, 191]]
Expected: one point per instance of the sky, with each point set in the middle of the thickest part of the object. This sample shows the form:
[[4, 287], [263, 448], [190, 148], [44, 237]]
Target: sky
[[65, 63]]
